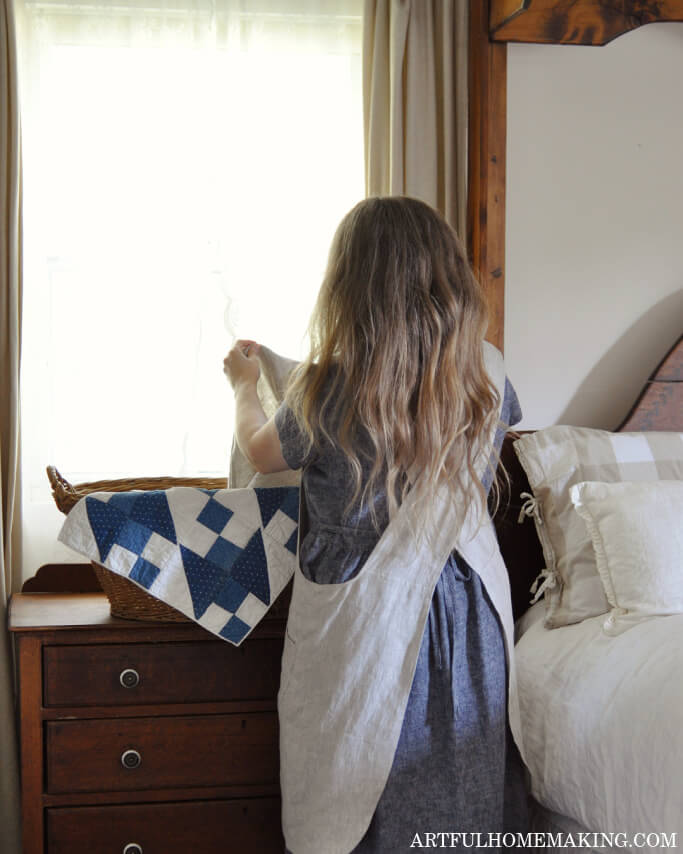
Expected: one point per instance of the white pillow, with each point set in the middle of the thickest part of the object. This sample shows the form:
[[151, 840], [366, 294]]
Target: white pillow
[[554, 459], [637, 534]]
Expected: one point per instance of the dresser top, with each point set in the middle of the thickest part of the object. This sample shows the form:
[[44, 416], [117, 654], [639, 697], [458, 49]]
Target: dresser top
[[63, 610], [30, 612]]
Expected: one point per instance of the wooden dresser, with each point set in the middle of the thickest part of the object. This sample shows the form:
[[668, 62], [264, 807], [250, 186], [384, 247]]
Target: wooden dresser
[[142, 737]]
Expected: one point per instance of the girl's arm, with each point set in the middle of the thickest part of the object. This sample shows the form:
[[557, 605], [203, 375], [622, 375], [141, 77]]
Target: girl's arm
[[256, 435]]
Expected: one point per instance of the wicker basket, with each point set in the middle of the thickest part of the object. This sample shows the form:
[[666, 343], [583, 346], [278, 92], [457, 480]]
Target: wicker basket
[[126, 599]]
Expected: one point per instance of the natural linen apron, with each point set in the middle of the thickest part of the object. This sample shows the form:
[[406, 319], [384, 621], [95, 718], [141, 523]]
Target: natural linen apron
[[349, 659]]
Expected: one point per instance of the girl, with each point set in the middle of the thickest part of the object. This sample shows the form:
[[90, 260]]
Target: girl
[[395, 386]]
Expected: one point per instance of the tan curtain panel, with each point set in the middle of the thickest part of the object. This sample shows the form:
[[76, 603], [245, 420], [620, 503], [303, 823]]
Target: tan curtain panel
[[415, 102], [10, 348]]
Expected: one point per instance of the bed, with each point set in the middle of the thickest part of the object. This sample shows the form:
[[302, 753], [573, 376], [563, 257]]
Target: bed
[[601, 707]]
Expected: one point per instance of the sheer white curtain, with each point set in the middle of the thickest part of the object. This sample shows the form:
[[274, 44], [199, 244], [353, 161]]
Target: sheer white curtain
[[185, 165]]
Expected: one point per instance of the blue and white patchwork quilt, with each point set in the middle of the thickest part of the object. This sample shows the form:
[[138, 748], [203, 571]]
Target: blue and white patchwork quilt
[[220, 556]]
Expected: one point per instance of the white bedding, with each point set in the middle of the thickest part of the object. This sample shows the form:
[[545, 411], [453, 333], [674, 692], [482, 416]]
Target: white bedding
[[603, 721]]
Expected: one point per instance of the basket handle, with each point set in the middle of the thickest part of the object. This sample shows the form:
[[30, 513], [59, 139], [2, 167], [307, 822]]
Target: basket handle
[[64, 494]]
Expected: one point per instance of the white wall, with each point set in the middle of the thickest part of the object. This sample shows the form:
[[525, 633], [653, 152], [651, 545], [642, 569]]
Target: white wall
[[594, 242]]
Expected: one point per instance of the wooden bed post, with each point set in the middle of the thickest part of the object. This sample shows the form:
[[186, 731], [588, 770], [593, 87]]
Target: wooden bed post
[[486, 164]]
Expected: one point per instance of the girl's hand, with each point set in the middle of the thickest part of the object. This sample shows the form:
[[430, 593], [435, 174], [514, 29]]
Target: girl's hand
[[241, 364]]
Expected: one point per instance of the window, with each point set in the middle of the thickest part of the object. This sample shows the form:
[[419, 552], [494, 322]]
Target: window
[[185, 165]]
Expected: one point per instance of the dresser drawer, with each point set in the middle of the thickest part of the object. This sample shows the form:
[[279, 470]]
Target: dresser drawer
[[206, 827], [163, 752], [130, 674]]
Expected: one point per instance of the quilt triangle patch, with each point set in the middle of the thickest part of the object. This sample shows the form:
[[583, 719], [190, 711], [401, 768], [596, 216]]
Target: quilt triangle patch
[[250, 569], [148, 508], [290, 505], [269, 501], [203, 578], [123, 501], [106, 522], [151, 510], [292, 541]]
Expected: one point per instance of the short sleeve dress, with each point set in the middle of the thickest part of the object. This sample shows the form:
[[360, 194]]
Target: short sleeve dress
[[456, 767]]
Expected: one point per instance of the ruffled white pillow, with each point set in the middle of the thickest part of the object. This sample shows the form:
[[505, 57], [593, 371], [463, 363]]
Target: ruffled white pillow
[[637, 533]]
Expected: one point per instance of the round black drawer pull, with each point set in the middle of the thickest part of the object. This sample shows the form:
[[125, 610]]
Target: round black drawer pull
[[129, 678], [131, 759], [132, 848]]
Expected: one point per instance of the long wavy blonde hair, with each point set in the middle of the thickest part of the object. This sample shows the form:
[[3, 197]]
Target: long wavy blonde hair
[[396, 353]]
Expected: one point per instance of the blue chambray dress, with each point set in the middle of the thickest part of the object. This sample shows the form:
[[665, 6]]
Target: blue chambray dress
[[456, 767]]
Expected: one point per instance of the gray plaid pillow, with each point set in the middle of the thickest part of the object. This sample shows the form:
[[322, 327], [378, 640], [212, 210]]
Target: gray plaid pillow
[[554, 459]]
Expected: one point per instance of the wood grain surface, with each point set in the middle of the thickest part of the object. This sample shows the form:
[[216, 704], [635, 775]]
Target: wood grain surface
[[585, 22]]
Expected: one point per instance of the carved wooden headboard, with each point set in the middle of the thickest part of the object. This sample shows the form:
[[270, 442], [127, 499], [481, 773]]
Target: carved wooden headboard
[[659, 406]]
